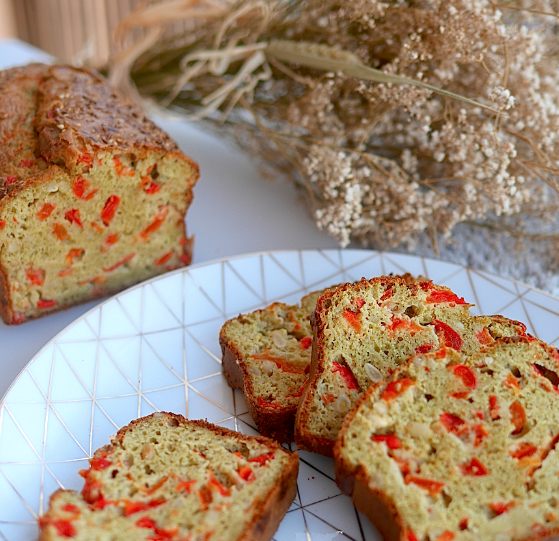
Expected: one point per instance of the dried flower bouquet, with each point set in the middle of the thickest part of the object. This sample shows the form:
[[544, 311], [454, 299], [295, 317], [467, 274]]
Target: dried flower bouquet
[[383, 163]]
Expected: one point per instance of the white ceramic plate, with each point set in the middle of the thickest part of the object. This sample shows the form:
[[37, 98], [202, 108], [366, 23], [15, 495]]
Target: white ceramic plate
[[155, 347]]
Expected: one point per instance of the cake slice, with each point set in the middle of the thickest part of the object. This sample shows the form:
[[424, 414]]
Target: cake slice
[[93, 195], [454, 448], [267, 354], [166, 478], [363, 331]]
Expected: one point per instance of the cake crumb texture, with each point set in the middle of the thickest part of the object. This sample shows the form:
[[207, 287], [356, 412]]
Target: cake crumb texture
[[453, 447]]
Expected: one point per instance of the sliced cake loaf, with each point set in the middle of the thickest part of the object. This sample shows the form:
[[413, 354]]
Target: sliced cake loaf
[[267, 353], [363, 331], [166, 478], [92, 194], [454, 448]]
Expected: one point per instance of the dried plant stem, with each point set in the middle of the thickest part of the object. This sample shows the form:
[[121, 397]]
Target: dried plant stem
[[399, 119]]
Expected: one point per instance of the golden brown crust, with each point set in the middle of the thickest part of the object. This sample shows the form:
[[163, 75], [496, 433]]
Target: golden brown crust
[[78, 110], [231, 362], [75, 111], [217, 430], [273, 510]]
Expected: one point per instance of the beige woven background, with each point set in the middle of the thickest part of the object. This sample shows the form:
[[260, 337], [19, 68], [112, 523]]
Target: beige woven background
[[76, 31]]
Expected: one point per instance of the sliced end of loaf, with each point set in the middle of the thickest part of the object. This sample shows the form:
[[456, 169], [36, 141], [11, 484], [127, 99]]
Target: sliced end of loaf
[[479, 465], [166, 476]]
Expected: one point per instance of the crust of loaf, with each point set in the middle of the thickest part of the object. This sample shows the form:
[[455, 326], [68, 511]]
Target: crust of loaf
[[74, 113], [266, 513]]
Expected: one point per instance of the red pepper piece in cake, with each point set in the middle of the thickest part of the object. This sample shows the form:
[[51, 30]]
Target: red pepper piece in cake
[[473, 468], [465, 374], [484, 338], [454, 424], [392, 441], [430, 485], [353, 319], [74, 254], [60, 232], [36, 277], [110, 208], [511, 381], [494, 408], [246, 474], [214, 484], [386, 295], [73, 216], [306, 342], [480, 432], [501, 507], [121, 169], [395, 388], [447, 335], [262, 459], [80, 187], [517, 417], [404, 325], [345, 372], [111, 240], [119, 263], [523, 450], [64, 527], [45, 211], [45, 303], [131, 507], [71, 508], [425, 348], [155, 224], [164, 258], [437, 296], [86, 159]]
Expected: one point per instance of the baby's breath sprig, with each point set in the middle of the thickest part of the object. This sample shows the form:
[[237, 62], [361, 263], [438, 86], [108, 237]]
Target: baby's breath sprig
[[399, 118]]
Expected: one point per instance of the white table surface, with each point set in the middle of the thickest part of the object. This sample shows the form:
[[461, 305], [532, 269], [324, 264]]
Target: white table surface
[[235, 211]]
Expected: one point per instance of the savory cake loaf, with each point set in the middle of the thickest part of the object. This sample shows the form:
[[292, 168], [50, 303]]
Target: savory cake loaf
[[454, 448], [164, 478], [363, 331], [267, 354], [92, 194]]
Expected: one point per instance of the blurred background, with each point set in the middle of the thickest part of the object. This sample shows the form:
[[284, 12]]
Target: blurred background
[[76, 31]]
